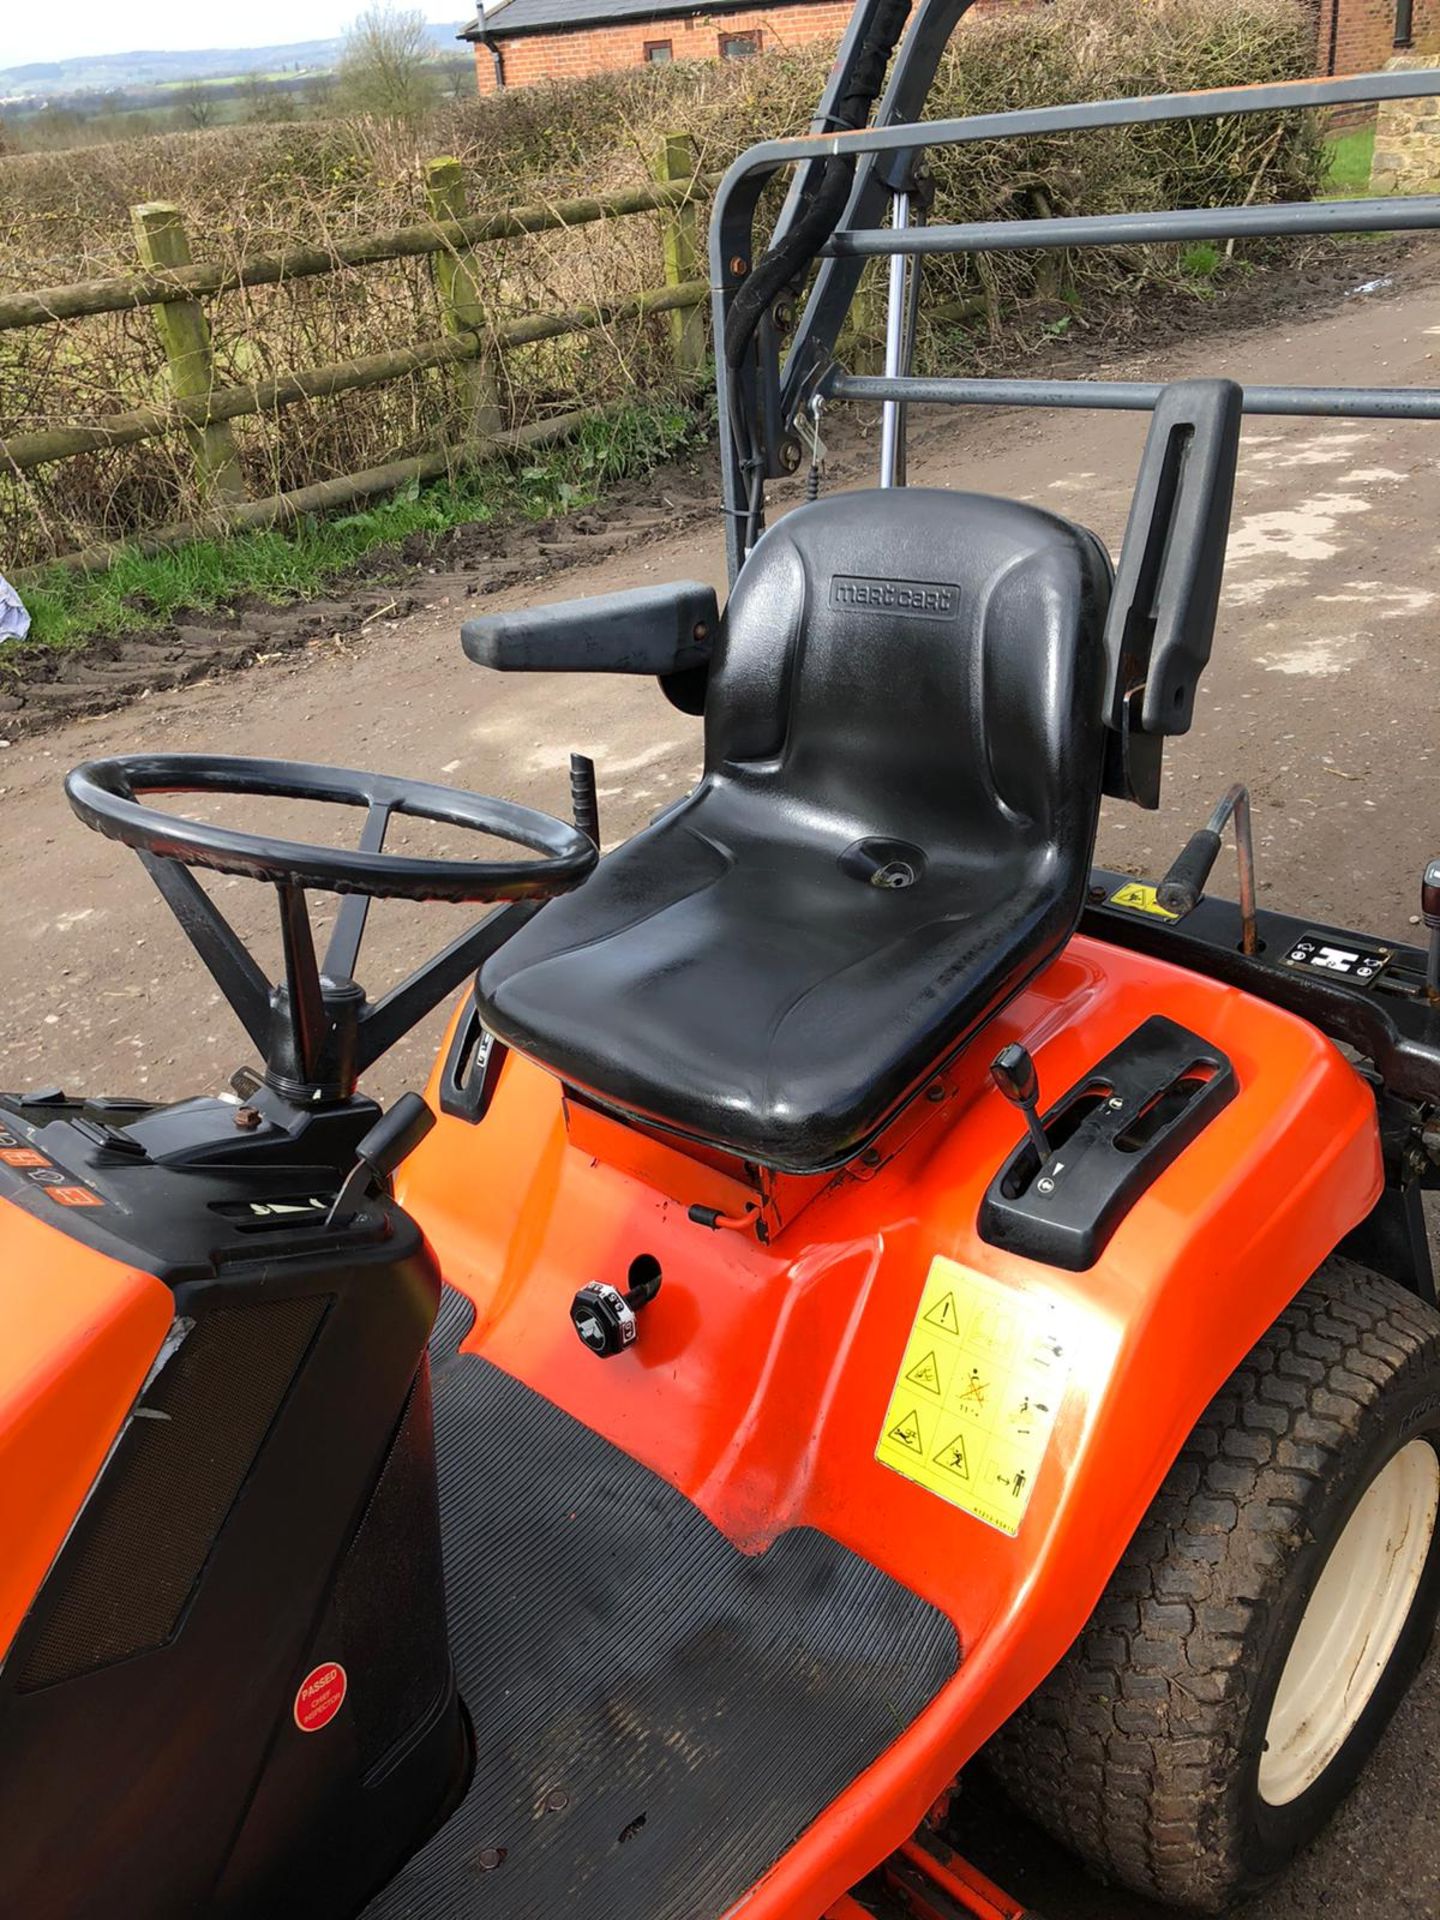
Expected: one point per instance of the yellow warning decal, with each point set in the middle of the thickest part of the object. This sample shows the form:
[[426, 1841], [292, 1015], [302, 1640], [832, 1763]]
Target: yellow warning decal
[[977, 1393], [1140, 899]]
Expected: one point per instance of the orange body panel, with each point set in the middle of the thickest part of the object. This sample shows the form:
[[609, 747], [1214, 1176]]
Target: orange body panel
[[762, 1374], [78, 1334]]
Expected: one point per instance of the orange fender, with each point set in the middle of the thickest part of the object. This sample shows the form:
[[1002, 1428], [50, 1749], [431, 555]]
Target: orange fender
[[763, 1373], [79, 1333]]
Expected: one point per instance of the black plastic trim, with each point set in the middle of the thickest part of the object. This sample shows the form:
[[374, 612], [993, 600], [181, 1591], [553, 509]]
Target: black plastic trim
[[1064, 1209], [1391, 1023], [654, 629], [472, 1067]]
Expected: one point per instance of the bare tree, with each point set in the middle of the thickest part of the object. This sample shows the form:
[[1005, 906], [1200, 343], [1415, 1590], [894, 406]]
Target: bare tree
[[459, 78], [265, 101], [318, 94], [386, 68], [196, 106]]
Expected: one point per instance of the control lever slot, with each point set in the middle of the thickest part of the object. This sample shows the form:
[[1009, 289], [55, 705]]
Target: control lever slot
[[1111, 1136], [1062, 1123]]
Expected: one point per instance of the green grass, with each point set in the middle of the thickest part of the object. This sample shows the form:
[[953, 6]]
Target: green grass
[[1202, 261], [1350, 157], [142, 591]]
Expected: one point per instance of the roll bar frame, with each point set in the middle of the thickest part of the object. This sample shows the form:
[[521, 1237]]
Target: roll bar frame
[[764, 393]]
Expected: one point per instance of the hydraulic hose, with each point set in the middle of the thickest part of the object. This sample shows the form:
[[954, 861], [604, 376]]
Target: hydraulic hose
[[783, 265]]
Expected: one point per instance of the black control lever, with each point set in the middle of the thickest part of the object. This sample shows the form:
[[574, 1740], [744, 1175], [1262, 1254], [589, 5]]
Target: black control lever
[[1181, 889], [1013, 1071], [394, 1135], [1430, 910], [584, 797]]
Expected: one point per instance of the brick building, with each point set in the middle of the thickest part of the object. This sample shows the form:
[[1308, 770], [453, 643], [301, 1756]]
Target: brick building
[[520, 41], [1359, 36]]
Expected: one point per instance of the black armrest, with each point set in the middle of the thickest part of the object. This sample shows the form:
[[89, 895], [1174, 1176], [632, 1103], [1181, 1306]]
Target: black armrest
[[1167, 585], [660, 629]]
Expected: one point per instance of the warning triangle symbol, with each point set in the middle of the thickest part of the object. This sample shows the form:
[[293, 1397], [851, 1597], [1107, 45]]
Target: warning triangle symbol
[[907, 1432], [925, 1373], [953, 1459], [944, 1315]]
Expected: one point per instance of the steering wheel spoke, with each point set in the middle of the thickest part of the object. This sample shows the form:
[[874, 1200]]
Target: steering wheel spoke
[[232, 968], [343, 953], [392, 1016]]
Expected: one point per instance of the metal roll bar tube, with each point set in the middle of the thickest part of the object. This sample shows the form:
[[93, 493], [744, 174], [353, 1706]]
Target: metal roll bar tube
[[1131, 396], [765, 398], [1410, 213]]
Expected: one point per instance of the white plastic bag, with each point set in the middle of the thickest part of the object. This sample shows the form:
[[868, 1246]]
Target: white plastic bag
[[14, 620]]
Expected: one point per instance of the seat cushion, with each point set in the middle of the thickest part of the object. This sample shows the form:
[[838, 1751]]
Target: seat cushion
[[893, 831]]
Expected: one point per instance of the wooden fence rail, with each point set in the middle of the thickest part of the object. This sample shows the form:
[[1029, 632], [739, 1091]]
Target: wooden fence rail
[[124, 291], [472, 342], [26, 450]]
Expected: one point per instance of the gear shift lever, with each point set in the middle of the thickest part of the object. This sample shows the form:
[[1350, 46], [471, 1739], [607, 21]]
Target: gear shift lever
[[1013, 1072]]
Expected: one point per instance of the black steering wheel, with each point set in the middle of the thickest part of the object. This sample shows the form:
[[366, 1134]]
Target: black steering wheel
[[316, 1029], [105, 795]]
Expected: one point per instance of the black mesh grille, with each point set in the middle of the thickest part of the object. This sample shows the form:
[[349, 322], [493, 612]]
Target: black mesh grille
[[143, 1540]]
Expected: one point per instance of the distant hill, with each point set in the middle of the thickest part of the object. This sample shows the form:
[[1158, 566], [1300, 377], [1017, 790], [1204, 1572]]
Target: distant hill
[[106, 72]]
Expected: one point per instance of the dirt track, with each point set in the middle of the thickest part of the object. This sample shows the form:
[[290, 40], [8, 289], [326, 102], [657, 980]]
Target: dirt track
[[1324, 695]]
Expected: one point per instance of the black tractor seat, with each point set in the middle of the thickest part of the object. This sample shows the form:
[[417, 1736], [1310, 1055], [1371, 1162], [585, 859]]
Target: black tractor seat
[[892, 834]]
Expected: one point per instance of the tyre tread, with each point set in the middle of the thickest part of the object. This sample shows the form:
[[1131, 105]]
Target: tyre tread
[[1123, 1752]]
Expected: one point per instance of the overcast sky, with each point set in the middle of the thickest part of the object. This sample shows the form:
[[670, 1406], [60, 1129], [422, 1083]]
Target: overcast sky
[[35, 33]]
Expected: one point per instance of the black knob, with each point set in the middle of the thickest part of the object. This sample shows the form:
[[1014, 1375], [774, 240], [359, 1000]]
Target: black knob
[[1430, 896], [1013, 1072], [394, 1135], [604, 1319]]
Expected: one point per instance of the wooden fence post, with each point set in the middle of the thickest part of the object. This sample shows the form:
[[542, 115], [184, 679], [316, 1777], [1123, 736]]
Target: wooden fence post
[[461, 309], [683, 252], [185, 335]]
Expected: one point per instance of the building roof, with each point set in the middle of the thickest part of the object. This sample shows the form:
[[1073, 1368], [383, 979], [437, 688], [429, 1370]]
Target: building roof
[[511, 18]]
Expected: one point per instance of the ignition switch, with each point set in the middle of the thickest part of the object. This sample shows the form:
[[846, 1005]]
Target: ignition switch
[[604, 1317]]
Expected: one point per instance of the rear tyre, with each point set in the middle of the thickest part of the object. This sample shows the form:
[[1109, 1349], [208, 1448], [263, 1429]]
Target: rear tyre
[[1266, 1619]]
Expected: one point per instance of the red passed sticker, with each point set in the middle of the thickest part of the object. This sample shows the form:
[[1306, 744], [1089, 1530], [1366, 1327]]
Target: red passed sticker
[[321, 1696]]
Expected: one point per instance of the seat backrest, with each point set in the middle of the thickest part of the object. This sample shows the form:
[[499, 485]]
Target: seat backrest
[[927, 662]]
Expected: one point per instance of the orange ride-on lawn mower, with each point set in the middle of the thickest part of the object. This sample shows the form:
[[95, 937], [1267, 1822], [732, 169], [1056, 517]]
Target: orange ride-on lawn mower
[[860, 1287]]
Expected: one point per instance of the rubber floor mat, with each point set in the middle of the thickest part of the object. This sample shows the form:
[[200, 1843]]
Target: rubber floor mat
[[657, 1716]]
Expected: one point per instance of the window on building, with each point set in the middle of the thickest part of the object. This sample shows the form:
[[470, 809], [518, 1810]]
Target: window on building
[[1404, 23], [739, 46], [658, 53]]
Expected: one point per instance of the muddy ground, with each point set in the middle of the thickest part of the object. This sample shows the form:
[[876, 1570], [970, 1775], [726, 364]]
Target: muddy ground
[[1323, 694]]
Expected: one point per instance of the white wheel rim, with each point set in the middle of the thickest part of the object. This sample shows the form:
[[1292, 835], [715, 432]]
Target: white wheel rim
[[1351, 1625]]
